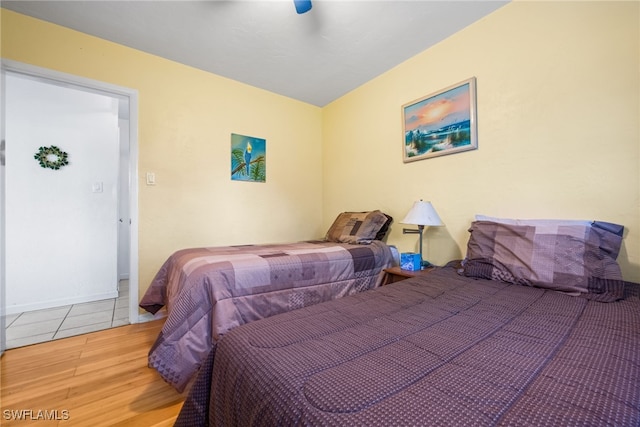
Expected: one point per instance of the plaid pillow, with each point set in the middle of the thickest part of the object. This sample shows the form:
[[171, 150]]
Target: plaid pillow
[[578, 257], [357, 227]]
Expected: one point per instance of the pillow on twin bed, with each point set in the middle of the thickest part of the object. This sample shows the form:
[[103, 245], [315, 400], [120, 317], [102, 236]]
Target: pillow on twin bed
[[571, 256], [359, 227]]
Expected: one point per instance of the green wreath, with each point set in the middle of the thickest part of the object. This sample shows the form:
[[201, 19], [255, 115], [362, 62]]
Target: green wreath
[[51, 157]]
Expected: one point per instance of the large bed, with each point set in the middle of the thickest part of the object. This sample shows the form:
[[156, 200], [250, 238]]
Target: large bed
[[209, 291], [535, 327]]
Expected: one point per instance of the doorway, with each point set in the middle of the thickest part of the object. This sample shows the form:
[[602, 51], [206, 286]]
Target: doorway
[[72, 230]]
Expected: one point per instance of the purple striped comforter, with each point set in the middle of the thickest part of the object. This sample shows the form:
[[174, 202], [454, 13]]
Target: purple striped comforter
[[209, 291]]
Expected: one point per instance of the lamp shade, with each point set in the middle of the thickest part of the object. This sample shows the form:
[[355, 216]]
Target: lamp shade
[[422, 213]]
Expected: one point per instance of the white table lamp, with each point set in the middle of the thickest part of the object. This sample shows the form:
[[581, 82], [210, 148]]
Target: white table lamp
[[422, 213]]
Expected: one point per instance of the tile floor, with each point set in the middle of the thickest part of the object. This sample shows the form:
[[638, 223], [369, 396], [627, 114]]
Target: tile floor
[[44, 325]]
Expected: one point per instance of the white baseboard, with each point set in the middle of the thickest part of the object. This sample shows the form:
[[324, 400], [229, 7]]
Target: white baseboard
[[42, 305]]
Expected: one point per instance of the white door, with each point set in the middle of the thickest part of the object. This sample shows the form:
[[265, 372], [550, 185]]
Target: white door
[[98, 187], [124, 217]]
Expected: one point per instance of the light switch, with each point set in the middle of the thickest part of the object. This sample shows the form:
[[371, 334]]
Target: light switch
[[96, 187], [151, 178]]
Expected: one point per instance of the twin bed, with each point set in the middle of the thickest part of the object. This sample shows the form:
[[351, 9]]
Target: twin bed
[[534, 327], [209, 291]]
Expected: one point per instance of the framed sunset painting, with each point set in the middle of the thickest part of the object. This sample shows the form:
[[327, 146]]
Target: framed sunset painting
[[441, 123]]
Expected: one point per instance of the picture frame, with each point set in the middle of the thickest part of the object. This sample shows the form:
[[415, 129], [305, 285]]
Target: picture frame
[[248, 158], [441, 123]]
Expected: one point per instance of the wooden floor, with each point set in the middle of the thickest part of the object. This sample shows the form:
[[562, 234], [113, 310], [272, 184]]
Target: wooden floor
[[96, 379]]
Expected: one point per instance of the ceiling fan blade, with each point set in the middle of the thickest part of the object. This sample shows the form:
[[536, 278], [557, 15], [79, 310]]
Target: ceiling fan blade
[[302, 6]]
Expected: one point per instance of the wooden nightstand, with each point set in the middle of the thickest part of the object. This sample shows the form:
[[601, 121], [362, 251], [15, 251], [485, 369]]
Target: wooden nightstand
[[396, 274]]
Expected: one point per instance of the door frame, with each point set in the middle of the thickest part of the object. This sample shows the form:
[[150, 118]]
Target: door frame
[[108, 89], [3, 342]]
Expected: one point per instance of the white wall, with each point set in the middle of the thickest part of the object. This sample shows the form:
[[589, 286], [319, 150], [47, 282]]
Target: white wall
[[61, 231]]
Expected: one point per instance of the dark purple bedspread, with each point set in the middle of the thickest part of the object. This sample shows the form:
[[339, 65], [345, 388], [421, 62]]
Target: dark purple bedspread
[[436, 350]]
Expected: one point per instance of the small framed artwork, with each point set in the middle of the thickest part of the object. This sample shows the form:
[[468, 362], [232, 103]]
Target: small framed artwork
[[441, 123], [248, 158]]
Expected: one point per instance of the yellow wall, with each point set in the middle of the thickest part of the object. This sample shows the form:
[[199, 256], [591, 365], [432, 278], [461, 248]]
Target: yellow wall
[[186, 118], [558, 124], [558, 127]]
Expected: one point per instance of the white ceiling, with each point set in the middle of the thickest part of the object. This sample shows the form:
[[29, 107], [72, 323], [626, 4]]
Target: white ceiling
[[315, 57]]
